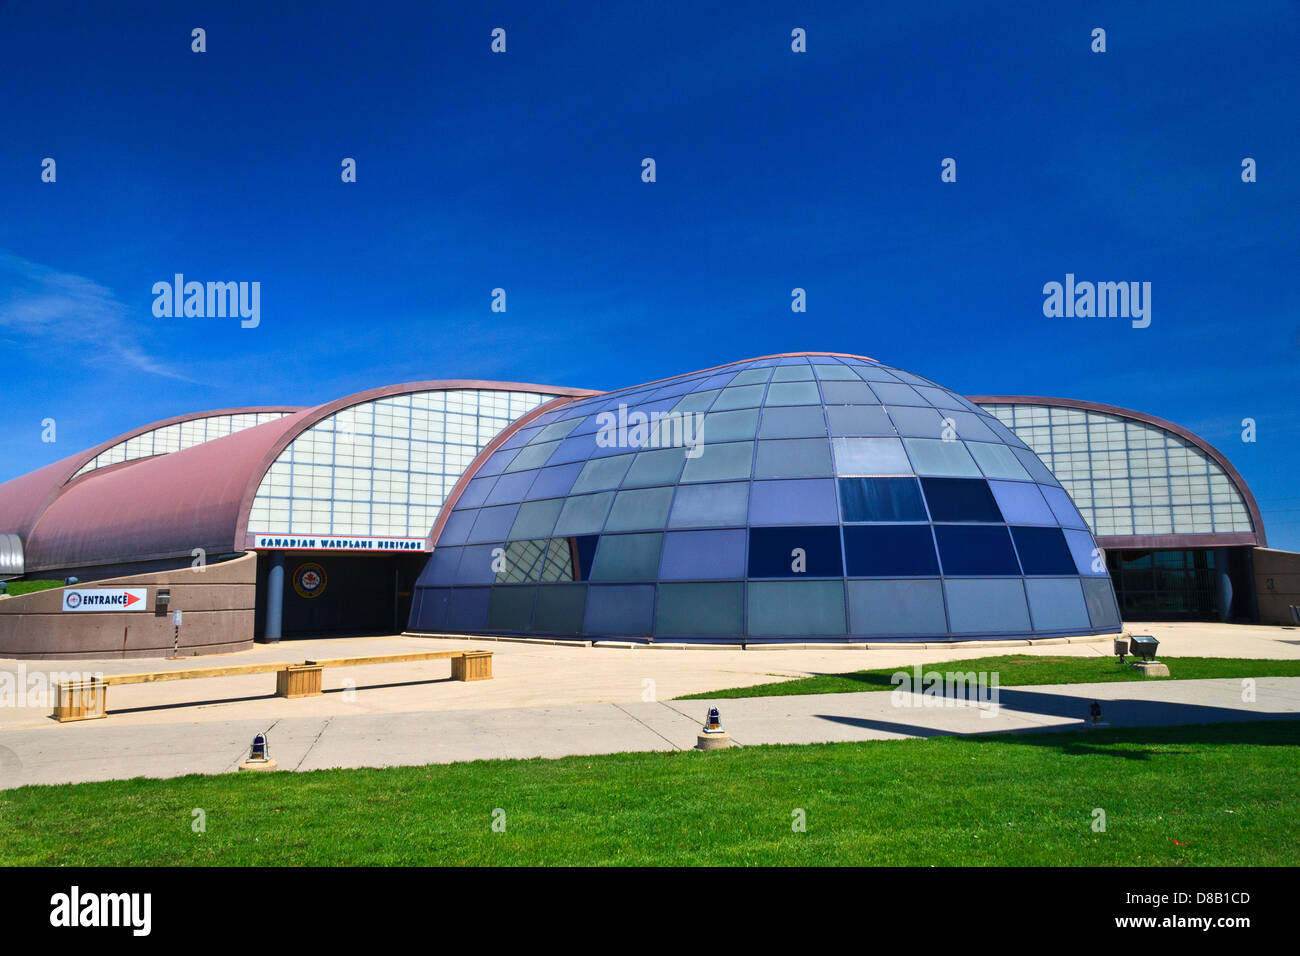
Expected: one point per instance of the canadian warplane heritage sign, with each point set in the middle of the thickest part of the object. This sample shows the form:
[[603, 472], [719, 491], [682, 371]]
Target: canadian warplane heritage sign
[[105, 599], [300, 542]]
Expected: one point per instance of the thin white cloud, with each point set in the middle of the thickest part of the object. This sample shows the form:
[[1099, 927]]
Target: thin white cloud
[[45, 309]]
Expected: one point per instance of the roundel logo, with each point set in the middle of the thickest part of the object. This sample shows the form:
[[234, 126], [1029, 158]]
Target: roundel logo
[[74, 599], [309, 580]]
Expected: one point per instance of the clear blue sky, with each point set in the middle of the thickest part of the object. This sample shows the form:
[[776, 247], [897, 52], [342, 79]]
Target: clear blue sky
[[775, 170]]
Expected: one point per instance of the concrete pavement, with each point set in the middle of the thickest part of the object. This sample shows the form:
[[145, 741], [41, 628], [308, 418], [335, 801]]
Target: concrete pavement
[[549, 701], [103, 750]]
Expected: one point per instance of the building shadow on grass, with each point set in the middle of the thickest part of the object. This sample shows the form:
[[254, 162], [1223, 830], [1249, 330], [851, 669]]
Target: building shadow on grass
[[1131, 721]]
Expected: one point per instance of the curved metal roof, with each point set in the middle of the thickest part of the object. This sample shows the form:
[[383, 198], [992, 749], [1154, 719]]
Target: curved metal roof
[[24, 499], [1256, 537], [167, 505]]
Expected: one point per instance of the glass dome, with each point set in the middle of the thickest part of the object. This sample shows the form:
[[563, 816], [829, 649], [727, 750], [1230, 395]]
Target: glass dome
[[798, 498]]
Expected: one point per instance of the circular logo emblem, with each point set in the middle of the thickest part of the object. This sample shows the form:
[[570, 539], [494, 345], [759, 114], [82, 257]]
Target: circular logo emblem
[[309, 580], [74, 599]]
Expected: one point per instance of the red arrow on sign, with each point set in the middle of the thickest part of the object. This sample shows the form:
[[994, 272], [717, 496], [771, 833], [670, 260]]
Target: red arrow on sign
[[131, 598]]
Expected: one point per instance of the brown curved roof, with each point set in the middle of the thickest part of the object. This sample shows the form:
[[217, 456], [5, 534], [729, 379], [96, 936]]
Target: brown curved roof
[[1255, 537], [24, 499], [167, 505]]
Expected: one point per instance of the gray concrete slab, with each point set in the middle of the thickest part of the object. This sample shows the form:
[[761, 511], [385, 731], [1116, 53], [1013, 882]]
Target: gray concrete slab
[[104, 750]]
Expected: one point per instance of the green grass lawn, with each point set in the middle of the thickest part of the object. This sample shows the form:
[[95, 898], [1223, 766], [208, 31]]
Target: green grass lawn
[[1016, 670], [27, 587], [1225, 792]]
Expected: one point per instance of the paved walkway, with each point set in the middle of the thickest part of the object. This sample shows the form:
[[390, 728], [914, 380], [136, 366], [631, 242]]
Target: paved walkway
[[112, 749], [549, 701]]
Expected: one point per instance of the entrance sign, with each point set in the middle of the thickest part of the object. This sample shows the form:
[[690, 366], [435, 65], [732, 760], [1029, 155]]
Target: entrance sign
[[105, 599]]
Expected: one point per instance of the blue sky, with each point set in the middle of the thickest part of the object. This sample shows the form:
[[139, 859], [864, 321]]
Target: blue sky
[[775, 170]]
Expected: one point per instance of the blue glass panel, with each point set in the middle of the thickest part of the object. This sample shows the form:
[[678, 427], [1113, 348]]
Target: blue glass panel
[[620, 610], [849, 393], [1063, 507], [627, 557], [855, 420], [1081, 547], [493, 524], [793, 373], [536, 519], [772, 552], [793, 393], [577, 448], [744, 396], [880, 550], [793, 609], [987, 607], [710, 506], [553, 482], [476, 565], [476, 492], [897, 608], [796, 501], [1043, 551], [1021, 503], [1057, 605], [960, 499], [881, 499], [870, 456], [468, 609], [456, 530], [917, 422], [531, 456], [559, 609], [793, 458], [703, 555], [897, 394], [584, 514], [1034, 465], [511, 609], [510, 488], [975, 549], [793, 421], [835, 372], [715, 610]]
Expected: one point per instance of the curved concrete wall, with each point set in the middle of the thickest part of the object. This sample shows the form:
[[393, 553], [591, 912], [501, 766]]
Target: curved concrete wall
[[218, 605]]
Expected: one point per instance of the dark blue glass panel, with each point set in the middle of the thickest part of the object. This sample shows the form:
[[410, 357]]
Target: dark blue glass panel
[[881, 499], [889, 551], [1043, 551], [771, 552], [973, 550], [960, 499]]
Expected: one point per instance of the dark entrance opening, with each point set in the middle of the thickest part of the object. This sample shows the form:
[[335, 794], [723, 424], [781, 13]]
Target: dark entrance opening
[[337, 594], [1193, 584]]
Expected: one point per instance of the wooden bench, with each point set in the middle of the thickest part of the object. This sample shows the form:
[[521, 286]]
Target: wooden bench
[[85, 700]]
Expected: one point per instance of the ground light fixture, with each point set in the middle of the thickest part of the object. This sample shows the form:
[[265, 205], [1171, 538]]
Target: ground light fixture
[[259, 754], [712, 736], [1144, 646], [1095, 718]]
